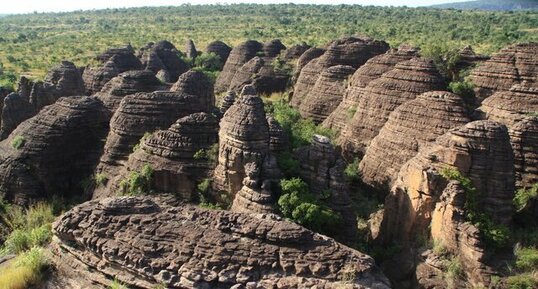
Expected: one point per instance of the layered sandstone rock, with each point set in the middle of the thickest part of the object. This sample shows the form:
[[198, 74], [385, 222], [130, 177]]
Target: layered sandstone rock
[[480, 150], [295, 51], [243, 138], [146, 112], [163, 59], [410, 128], [125, 58], [278, 138], [305, 58], [16, 109], [190, 49], [178, 156], [239, 55], [126, 83], [327, 93], [524, 139], [352, 51], [219, 48], [371, 70], [382, 96], [323, 170], [52, 152], [188, 247], [227, 101], [255, 196], [511, 65]]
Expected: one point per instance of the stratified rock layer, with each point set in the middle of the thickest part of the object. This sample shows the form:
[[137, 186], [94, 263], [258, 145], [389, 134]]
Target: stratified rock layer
[[410, 128], [51, 153], [16, 109], [511, 65], [326, 94], [239, 55], [163, 59], [524, 139], [371, 70], [255, 196], [351, 51], [295, 51], [219, 48], [189, 247], [305, 58], [382, 96]]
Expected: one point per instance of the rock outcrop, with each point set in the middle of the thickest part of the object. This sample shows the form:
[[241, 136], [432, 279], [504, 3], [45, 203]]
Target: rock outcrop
[[255, 196], [243, 138], [163, 59], [126, 83], [51, 153], [480, 150], [371, 70], [409, 129], [351, 51], [16, 109], [511, 65], [295, 51], [239, 55], [305, 58], [125, 58], [190, 49], [327, 93], [382, 96], [219, 48], [146, 112], [278, 138], [524, 139], [227, 101], [187, 247]]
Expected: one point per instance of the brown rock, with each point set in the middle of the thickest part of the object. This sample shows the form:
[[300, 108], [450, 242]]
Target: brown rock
[[278, 139], [305, 58], [524, 139], [188, 247], [255, 196], [326, 94], [163, 56], [295, 51], [382, 96], [125, 58], [16, 109], [352, 51], [51, 153], [227, 101], [410, 128], [239, 55], [511, 65], [219, 48], [273, 48], [371, 70], [190, 49]]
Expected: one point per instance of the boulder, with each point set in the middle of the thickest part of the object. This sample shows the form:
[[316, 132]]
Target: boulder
[[409, 129], [255, 196], [239, 55], [243, 138], [163, 56], [190, 49], [351, 51], [188, 247], [51, 153], [371, 70], [524, 139], [126, 83], [327, 93], [16, 109], [511, 65], [382, 96], [219, 48], [273, 48], [295, 51]]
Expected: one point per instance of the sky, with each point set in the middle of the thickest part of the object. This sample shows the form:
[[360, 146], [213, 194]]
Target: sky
[[29, 6]]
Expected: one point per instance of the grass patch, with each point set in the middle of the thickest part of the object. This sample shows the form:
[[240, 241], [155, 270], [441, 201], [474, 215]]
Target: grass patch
[[117, 284], [18, 142], [527, 258], [523, 196], [523, 281], [26, 270], [352, 171], [138, 182]]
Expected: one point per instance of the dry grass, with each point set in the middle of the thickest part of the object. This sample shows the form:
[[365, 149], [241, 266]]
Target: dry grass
[[27, 269]]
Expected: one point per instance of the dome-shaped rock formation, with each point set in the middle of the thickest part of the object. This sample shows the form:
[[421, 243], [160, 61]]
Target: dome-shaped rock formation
[[278, 138], [16, 109], [295, 51], [125, 58], [195, 246], [51, 153], [382, 96], [190, 49], [239, 55], [219, 48], [371, 70], [126, 83], [327, 93], [410, 128], [163, 56], [273, 48], [524, 139], [305, 58], [255, 196], [227, 101], [511, 65], [352, 51]]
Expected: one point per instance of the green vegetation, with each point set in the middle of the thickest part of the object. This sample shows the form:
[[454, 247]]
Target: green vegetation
[[18, 142], [523, 196], [463, 89], [526, 273], [211, 153], [100, 179], [25, 271], [117, 284], [493, 234], [138, 182], [299, 205], [352, 171], [33, 43], [203, 189]]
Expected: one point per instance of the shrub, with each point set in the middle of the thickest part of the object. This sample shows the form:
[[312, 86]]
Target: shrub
[[100, 179], [464, 89], [117, 284], [352, 171], [18, 142], [209, 62], [281, 66], [523, 196], [527, 258], [287, 164], [522, 281], [351, 112], [25, 271], [138, 182]]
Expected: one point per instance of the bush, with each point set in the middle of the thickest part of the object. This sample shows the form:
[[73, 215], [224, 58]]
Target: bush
[[138, 182], [523, 196], [287, 164], [100, 179], [209, 62], [527, 258], [352, 171], [282, 67], [522, 281], [26, 270], [117, 284], [462, 88], [18, 142]]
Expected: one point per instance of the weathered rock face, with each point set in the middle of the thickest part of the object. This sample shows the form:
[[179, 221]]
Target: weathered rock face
[[468, 58], [190, 49], [52, 152], [255, 196], [245, 73], [285, 254], [371, 70], [524, 139], [16, 109], [295, 51], [382, 96], [305, 58], [126, 83], [163, 59], [323, 171], [273, 48], [125, 58], [480, 150], [219, 48], [171, 155], [239, 55], [146, 112], [327, 93], [243, 138], [278, 139], [511, 65], [410, 128], [227, 101], [350, 51]]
